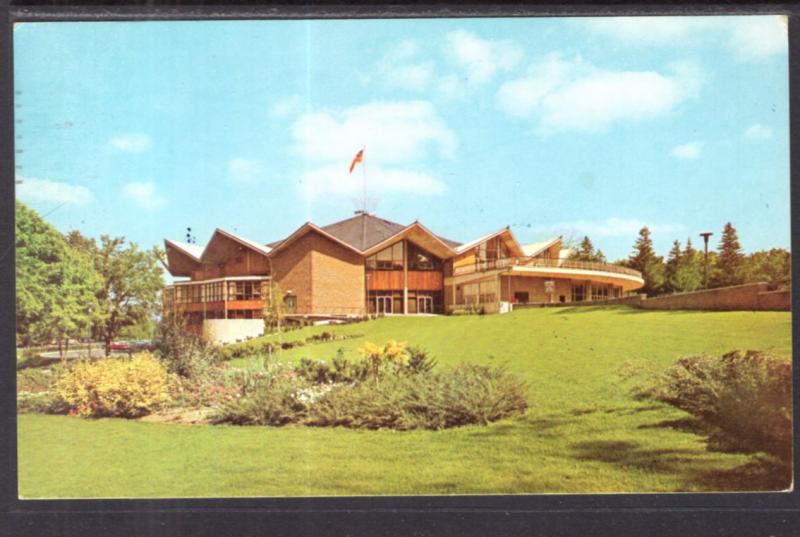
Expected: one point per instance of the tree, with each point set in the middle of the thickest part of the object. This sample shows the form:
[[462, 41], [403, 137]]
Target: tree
[[767, 266], [688, 274], [644, 259], [56, 285], [671, 268], [729, 260], [587, 252], [131, 282]]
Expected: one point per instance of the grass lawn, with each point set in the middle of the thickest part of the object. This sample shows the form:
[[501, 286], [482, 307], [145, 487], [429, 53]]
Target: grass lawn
[[583, 433]]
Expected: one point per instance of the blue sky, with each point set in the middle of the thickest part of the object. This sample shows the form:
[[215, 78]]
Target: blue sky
[[552, 126]]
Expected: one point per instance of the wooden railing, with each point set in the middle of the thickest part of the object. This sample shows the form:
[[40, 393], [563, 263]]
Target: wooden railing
[[495, 264]]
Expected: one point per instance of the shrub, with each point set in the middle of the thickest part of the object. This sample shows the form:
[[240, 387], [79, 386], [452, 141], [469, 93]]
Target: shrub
[[270, 397], [125, 387], [466, 394], [745, 398], [184, 354], [45, 402]]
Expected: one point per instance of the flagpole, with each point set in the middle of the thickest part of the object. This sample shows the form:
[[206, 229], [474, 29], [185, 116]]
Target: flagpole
[[364, 179]]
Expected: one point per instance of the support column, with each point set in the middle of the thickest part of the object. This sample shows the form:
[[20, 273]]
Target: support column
[[405, 277]]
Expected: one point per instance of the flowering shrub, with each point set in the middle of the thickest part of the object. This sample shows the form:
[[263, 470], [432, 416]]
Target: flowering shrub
[[745, 398], [125, 387]]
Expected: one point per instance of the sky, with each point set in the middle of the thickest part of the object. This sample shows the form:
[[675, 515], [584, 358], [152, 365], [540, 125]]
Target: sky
[[553, 126]]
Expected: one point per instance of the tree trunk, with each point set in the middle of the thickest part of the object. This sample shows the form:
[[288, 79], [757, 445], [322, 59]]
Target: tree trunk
[[108, 341], [61, 354]]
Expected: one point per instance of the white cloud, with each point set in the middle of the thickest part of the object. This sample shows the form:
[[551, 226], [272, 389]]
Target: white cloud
[[758, 132], [756, 38], [144, 195], [650, 30], [42, 190], [131, 143], [244, 170], [689, 150], [467, 62], [573, 95], [748, 37], [611, 227], [332, 179], [398, 137], [481, 58], [287, 106]]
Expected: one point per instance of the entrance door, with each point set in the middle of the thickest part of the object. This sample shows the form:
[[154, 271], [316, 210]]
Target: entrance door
[[424, 304], [521, 297], [384, 304]]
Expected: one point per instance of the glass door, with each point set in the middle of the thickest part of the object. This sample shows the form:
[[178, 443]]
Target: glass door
[[425, 304], [384, 304]]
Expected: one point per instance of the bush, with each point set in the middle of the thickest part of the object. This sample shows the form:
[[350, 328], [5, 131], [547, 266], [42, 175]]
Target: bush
[[746, 399], [46, 402], [124, 387], [267, 397], [351, 395], [466, 394], [260, 347], [184, 354]]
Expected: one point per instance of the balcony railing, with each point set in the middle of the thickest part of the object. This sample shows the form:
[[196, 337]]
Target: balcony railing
[[496, 264], [216, 291]]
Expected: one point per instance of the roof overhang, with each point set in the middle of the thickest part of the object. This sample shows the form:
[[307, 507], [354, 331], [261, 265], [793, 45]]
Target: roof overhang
[[303, 230], [627, 281], [419, 235], [181, 261], [217, 249], [504, 234]]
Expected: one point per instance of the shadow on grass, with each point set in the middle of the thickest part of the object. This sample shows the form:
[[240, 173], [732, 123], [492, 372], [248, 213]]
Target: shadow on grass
[[632, 455], [539, 426], [687, 425], [761, 474]]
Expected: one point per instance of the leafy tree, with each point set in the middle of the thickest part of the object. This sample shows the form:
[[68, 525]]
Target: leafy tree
[[131, 282], [587, 252], [644, 259], [729, 260], [56, 285], [767, 266]]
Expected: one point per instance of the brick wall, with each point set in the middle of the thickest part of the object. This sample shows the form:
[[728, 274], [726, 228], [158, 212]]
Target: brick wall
[[337, 278], [751, 296], [292, 267]]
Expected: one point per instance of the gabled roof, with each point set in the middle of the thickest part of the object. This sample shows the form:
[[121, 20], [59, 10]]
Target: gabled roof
[[192, 250], [360, 232], [253, 245], [538, 247], [509, 239]]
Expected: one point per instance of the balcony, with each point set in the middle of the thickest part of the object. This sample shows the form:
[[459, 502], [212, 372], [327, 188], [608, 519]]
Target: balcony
[[555, 265], [218, 298]]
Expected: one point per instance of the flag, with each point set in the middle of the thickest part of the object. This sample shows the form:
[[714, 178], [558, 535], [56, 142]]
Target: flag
[[358, 158]]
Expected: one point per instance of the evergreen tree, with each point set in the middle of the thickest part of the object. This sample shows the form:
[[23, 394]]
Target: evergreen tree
[[689, 273], [644, 259], [671, 269], [587, 252], [729, 260]]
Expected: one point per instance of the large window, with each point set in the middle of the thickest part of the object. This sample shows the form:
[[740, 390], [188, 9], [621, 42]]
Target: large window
[[244, 290], [419, 259], [390, 258], [578, 292]]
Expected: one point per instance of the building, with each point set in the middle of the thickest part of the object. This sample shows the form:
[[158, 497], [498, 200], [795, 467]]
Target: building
[[367, 265]]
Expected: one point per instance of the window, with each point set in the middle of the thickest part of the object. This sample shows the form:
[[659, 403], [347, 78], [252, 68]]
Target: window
[[290, 303], [578, 293], [244, 290], [419, 259], [599, 293], [521, 297], [390, 258]]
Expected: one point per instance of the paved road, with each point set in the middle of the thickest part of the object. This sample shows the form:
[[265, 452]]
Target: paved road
[[97, 352]]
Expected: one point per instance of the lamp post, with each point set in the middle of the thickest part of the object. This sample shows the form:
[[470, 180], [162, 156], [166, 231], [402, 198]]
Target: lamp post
[[705, 235]]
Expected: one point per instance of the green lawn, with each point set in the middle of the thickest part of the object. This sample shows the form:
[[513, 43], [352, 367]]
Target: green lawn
[[582, 433]]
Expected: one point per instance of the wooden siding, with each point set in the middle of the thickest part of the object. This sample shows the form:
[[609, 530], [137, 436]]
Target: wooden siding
[[385, 280], [425, 280]]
